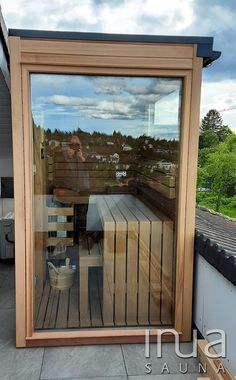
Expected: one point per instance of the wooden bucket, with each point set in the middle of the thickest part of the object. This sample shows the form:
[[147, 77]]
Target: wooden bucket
[[61, 278]]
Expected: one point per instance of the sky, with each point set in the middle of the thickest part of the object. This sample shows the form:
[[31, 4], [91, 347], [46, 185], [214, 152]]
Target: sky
[[132, 106], [214, 18]]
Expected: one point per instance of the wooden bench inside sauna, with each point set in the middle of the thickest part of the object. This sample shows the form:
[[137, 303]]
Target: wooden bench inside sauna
[[124, 278]]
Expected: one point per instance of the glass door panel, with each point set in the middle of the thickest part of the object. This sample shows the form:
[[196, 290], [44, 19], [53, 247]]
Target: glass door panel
[[106, 152]]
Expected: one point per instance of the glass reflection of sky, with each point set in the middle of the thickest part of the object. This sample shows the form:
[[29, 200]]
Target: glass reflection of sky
[[133, 106]]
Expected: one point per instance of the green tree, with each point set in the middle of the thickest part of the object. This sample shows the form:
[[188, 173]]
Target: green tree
[[202, 178], [203, 155], [221, 169], [208, 139], [212, 121], [224, 132]]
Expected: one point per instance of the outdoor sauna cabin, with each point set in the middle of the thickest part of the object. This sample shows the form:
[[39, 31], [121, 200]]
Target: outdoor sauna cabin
[[105, 140]]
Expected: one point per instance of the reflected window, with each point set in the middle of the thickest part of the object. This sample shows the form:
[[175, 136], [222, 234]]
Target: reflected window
[[106, 153]]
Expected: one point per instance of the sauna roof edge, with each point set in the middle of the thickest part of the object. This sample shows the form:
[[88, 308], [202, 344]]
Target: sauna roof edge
[[204, 44]]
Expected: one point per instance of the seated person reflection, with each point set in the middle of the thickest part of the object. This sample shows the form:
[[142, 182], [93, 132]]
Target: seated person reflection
[[75, 160]]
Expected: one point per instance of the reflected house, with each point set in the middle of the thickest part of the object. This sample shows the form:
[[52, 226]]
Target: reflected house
[[54, 143], [115, 210], [167, 166], [115, 158], [100, 157], [126, 148], [160, 150], [64, 144]]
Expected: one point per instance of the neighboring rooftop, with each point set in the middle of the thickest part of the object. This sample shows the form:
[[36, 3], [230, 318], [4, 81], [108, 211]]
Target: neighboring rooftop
[[216, 241], [220, 229], [204, 44]]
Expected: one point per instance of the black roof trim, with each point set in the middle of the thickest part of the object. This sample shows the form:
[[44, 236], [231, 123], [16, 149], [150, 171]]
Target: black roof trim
[[204, 50], [217, 257], [215, 240]]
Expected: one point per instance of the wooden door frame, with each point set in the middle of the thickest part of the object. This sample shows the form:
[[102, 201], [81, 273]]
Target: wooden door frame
[[22, 65]]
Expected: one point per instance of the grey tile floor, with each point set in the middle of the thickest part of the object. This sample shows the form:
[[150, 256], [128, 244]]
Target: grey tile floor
[[113, 362]]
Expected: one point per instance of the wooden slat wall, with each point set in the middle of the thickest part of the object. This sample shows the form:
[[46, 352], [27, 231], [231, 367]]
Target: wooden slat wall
[[160, 261], [155, 261], [167, 273], [58, 226], [132, 261], [108, 261], [141, 267], [64, 211], [120, 261], [58, 173], [143, 260], [40, 235]]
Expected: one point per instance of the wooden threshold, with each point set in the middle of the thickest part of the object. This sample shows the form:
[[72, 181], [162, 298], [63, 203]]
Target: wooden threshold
[[96, 336]]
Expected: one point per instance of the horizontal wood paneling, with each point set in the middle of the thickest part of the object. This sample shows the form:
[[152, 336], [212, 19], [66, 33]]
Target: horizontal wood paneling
[[107, 61], [114, 49], [104, 54], [150, 72], [66, 211], [60, 226], [53, 241]]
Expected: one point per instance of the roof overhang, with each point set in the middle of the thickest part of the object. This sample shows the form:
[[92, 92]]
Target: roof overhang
[[204, 44]]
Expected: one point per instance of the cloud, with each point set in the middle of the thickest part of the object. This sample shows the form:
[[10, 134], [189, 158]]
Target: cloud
[[92, 107], [107, 99], [142, 86], [178, 17], [108, 85], [104, 16], [182, 17], [154, 87], [96, 108], [217, 19], [220, 96]]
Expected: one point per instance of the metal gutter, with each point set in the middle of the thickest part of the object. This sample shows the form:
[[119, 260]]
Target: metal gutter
[[204, 44]]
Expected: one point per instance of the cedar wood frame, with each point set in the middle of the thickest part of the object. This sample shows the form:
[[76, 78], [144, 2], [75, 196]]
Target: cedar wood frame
[[29, 55]]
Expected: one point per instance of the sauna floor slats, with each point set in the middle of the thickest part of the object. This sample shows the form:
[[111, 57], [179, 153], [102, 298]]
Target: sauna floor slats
[[60, 309]]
